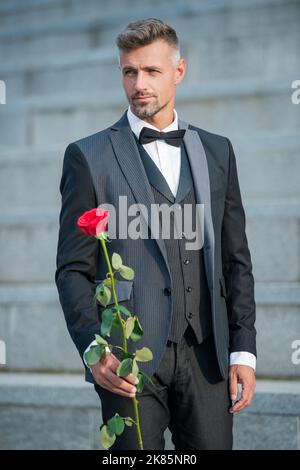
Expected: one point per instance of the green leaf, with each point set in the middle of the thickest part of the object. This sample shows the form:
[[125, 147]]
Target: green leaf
[[100, 340], [125, 367], [116, 425], [126, 272], [106, 438], [137, 332], [93, 355], [116, 261], [129, 325], [143, 355], [140, 385], [135, 368], [99, 288], [115, 324], [103, 294], [107, 319], [128, 421], [106, 296], [122, 309]]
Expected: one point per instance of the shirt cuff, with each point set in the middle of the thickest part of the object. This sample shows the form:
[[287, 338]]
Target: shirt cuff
[[243, 358]]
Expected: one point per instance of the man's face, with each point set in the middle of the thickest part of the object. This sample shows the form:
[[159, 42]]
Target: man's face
[[149, 78]]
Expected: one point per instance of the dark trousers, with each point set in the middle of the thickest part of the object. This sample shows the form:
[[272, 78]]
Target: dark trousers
[[188, 396]]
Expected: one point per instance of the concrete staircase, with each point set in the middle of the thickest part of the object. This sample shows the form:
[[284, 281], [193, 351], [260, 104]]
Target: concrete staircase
[[57, 58]]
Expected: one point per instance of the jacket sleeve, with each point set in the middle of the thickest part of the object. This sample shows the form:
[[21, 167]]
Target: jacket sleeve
[[237, 267], [77, 253]]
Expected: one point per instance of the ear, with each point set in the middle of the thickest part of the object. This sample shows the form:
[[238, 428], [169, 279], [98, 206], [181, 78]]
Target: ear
[[180, 71]]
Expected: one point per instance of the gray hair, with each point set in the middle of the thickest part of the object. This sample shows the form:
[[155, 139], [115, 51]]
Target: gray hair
[[143, 32]]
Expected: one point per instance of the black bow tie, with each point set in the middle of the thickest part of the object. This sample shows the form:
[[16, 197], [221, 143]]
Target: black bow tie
[[148, 135]]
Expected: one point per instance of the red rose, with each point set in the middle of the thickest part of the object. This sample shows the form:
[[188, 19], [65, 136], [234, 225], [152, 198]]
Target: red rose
[[93, 222]]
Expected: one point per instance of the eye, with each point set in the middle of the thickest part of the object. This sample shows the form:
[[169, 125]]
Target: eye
[[129, 72]]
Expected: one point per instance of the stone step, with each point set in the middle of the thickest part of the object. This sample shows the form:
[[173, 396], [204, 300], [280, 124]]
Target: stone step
[[63, 412], [272, 421], [33, 327], [14, 12], [278, 327], [37, 309], [57, 412], [268, 168], [36, 174], [269, 225], [207, 60], [93, 28], [229, 108]]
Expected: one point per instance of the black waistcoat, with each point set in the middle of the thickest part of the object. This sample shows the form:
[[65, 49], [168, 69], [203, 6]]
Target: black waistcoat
[[191, 303]]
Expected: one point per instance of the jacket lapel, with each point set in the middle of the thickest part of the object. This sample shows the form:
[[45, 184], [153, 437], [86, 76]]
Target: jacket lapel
[[185, 181], [129, 159], [199, 168], [154, 175]]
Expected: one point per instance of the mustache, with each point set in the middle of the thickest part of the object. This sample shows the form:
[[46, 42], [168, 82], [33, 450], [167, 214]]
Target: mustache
[[138, 95]]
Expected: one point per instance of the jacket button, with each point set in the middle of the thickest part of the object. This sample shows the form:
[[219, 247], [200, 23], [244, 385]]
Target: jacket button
[[190, 315], [167, 291], [189, 289], [187, 261]]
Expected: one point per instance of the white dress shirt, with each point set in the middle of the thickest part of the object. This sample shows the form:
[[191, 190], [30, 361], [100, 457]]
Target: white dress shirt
[[167, 158]]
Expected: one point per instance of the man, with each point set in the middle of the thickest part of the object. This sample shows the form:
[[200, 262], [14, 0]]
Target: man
[[196, 306]]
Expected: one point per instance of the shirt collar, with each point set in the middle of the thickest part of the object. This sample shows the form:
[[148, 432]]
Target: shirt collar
[[137, 124]]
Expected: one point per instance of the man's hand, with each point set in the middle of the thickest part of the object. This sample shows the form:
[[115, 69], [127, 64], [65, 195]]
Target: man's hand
[[245, 376], [104, 373]]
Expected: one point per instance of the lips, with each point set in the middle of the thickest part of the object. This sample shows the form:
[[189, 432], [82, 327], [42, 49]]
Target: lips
[[143, 97]]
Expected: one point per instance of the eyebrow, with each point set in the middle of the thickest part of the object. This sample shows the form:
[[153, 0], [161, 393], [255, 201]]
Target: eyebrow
[[130, 67]]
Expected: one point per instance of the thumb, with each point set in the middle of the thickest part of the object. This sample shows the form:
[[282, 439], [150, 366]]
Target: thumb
[[233, 386]]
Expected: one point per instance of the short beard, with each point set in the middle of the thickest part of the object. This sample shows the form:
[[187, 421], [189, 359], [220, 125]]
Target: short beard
[[143, 111]]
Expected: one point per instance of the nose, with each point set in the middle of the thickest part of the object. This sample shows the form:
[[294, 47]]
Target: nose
[[140, 84]]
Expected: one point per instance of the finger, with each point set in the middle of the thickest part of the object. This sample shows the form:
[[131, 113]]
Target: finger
[[233, 386], [109, 386], [131, 379], [103, 378], [240, 405], [245, 398], [119, 384]]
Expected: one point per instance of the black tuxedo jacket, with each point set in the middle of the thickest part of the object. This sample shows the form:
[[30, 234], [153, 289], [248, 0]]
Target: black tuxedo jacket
[[100, 168]]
